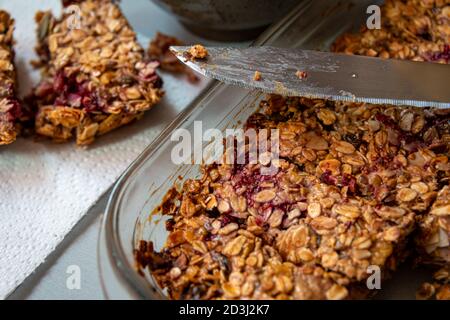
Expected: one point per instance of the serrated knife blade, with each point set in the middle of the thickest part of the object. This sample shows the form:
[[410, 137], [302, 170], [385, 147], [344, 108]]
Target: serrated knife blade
[[329, 75]]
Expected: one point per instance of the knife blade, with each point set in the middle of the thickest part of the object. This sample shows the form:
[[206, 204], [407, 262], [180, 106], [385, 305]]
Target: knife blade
[[326, 75]]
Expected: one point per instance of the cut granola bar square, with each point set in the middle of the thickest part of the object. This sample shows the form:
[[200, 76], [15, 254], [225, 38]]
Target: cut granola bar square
[[10, 108], [95, 76]]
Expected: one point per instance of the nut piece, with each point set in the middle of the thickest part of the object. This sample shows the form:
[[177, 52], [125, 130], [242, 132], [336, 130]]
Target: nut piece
[[265, 196]]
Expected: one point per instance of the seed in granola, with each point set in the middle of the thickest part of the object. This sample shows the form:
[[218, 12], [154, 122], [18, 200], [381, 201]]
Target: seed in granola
[[316, 142], [175, 273], [327, 116], [392, 234], [228, 228], [314, 210], [391, 212], [425, 292], [418, 124], [344, 147], [294, 213], [331, 165], [443, 293], [329, 260], [231, 291], [406, 121], [323, 222], [234, 247], [211, 202], [374, 125], [305, 254], [336, 292], [248, 288], [347, 210], [276, 218], [223, 206], [199, 246], [265, 196], [361, 254], [406, 194], [309, 154], [238, 203], [133, 93], [381, 138], [441, 210], [362, 243]]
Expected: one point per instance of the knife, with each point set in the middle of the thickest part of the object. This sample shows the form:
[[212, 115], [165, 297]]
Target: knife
[[326, 75]]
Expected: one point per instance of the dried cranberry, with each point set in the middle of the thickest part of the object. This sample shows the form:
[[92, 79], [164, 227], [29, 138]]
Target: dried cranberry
[[169, 224], [328, 178], [44, 89], [226, 219], [436, 56], [350, 181], [60, 82]]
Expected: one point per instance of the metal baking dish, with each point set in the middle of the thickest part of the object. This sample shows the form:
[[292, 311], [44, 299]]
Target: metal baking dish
[[314, 24]]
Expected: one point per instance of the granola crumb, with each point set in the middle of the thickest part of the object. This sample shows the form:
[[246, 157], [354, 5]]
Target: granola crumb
[[301, 74], [257, 76], [198, 51]]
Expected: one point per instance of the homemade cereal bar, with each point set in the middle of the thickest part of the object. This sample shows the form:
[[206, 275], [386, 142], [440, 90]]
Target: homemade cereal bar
[[357, 186], [10, 108], [95, 79]]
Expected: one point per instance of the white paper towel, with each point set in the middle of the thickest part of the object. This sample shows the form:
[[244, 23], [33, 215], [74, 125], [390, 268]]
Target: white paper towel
[[46, 188]]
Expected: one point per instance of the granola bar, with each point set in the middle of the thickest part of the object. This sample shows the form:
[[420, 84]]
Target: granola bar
[[10, 108], [338, 205], [95, 78], [357, 183]]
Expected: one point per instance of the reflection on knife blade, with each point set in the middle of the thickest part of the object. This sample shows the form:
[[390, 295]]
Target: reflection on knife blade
[[329, 75]]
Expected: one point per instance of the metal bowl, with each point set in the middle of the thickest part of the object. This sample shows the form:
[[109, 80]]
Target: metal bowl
[[227, 20]]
